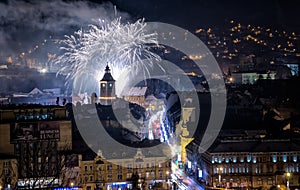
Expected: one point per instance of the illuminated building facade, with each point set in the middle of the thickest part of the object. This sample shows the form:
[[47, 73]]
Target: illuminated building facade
[[250, 77], [188, 115], [38, 137], [144, 170], [136, 95], [253, 163]]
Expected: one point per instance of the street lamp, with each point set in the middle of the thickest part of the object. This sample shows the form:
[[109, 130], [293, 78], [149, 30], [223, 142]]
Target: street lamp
[[288, 175], [72, 184], [167, 178], [220, 177]]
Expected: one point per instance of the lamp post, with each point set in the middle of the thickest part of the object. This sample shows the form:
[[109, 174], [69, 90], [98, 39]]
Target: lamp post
[[288, 175], [220, 177], [167, 178], [71, 184]]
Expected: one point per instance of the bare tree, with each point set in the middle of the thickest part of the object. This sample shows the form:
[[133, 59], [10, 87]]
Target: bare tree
[[41, 164]]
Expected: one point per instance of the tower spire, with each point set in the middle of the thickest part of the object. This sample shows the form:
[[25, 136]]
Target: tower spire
[[107, 69]]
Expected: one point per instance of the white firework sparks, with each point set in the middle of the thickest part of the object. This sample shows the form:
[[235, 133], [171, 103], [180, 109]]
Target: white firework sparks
[[117, 44]]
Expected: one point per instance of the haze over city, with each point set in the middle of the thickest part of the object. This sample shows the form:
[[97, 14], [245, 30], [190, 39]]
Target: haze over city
[[164, 95]]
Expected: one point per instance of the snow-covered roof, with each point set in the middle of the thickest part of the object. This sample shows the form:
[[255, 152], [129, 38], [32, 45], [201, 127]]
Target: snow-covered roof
[[35, 91], [137, 91]]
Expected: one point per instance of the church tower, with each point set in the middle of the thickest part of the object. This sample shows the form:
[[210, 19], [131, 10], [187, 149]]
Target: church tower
[[107, 88]]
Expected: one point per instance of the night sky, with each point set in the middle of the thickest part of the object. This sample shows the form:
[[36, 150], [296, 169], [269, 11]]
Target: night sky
[[24, 25], [213, 13]]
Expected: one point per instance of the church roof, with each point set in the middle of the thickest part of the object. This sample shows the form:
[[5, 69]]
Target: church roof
[[107, 75]]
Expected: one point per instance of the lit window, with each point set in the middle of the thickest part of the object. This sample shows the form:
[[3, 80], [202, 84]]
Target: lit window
[[227, 160], [220, 159], [274, 158], [128, 175], [248, 158], [129, 166], [295, 158], [234, 159], [284, 158], [103, 85], [259, 181], [110, 85], [242, 159]]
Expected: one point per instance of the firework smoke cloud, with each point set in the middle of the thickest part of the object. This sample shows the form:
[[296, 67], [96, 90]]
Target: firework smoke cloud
[[23, 24]]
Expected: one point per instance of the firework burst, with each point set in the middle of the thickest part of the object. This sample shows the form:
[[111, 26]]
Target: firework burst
[[122, 45]]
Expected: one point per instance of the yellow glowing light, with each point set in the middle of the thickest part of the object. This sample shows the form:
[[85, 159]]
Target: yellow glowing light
[[198, 31], [9, 60], [236, 41], [166, 51], [44, 70], [195, 57]]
